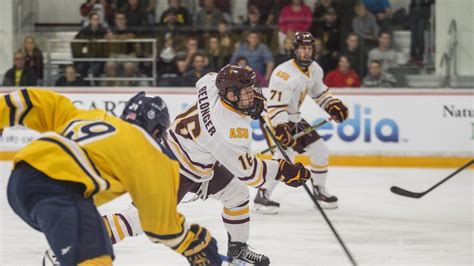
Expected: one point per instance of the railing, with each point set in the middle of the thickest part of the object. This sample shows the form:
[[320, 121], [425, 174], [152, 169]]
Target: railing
[[151, 58], [453, 43], [447, 75], [449, 58]]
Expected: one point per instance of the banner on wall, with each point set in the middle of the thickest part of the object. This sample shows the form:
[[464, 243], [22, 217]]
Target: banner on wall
[[379, 124]]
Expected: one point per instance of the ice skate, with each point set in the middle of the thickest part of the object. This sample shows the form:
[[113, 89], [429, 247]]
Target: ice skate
[[263, 204], [240, 254], [326, 200]]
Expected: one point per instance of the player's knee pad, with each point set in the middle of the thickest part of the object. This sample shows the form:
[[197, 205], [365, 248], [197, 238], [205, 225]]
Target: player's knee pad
[[105, 260], [234, 194]]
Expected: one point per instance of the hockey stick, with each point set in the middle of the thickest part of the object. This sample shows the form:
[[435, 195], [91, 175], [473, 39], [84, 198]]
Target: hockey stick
[[297, 135], [313, 198], [417, 195]]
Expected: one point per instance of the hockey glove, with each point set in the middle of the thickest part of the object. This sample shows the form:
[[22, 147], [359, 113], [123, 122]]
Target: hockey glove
[[283, 134], [337, 110], [293, 175], [202, 251]]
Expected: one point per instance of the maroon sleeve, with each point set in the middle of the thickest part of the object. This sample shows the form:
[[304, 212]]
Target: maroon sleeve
[[85, 9]]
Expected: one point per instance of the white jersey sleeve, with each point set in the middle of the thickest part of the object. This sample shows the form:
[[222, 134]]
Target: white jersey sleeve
[[319, 92]]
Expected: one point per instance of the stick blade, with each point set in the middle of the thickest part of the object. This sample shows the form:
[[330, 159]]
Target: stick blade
[[406, 193]]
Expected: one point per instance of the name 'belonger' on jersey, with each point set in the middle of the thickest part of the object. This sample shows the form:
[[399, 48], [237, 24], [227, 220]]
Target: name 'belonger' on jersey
[[211, 130], [288, 87]]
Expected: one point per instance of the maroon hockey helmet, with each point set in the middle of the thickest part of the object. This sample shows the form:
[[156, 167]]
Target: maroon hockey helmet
[[303, 38], [235, 77]]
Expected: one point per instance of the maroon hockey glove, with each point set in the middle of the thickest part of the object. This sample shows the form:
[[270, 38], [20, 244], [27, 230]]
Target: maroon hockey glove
[[293, 175], [202, 251], [283, 134], [337, 110]]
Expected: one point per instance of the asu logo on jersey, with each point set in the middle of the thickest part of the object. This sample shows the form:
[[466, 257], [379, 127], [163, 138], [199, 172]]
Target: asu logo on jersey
[[239, 133]]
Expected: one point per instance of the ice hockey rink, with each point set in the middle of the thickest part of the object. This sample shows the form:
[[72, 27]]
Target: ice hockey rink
[[380, 228]]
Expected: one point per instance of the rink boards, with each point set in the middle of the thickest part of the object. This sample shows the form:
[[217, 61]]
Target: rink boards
[[387, 127]]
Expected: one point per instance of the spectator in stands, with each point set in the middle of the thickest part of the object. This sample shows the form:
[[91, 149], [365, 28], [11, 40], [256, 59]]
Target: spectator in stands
[[208, 17], [254, 23], [320, 8], [261, 81], [19, 74], [343, 76], [167, 71], [227, 38], [135, 14], [328, 30], [149, 10], [197, 71], [171, 26], [94, 31], [382, 11], [376, 78], [288, 52], [101, 7], [366, 27], [33, 58], [70, 78], [293, 17], [110, 72], [183, 16], [120, 32], [130, 71], [345, 14], [383, 53], [223, 5], [216, 56], [357, 57], [259, 56], [322, 57], [264, 8], [420, 11], [191, 48]]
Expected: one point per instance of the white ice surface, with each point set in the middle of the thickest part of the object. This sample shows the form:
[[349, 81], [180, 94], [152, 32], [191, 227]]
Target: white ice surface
[[380, 228]]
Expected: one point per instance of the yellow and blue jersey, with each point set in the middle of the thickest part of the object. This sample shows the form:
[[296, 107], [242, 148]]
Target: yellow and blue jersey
[[104, 153]]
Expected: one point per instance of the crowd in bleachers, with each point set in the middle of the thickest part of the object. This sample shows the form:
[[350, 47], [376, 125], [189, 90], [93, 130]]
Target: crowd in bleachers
[[353, 41]]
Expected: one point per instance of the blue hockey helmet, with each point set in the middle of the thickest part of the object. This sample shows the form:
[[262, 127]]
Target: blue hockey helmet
[[149, 113]]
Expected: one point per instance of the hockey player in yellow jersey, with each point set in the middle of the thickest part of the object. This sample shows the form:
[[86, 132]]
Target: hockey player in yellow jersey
[[86, 155]]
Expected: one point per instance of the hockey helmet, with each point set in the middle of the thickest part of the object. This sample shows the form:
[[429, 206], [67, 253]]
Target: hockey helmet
[[149, 113], [303, 38], [237, 78]]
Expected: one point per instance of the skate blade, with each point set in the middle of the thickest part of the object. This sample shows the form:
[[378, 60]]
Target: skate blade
[[237, 262], [327, 205], [262, 209]]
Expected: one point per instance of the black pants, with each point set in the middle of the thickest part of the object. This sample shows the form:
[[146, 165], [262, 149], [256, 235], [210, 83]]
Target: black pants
[[417, 29]]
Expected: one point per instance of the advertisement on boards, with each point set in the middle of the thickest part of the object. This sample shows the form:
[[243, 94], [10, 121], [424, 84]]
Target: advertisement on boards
[[391, 125]]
